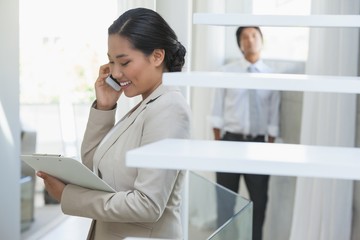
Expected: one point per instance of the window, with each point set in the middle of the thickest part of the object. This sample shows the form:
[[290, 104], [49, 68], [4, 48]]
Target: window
[[283, 42], [62, 45]]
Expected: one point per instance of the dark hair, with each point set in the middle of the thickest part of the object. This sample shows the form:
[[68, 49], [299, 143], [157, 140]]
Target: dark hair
[[239, 31], [147, 30]]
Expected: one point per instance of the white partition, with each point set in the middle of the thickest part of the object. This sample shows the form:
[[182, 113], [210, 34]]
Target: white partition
[[9, 121], [262, 158], [249, 157], [276, 159], [234, 19], [269, 81]]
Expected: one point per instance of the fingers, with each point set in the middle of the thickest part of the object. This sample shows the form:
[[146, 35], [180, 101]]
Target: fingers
[[104, 71], [41, 175], [54, 186], [105, 68], [46, 177]]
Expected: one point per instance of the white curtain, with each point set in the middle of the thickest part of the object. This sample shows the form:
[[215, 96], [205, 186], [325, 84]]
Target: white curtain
[[323, 207]]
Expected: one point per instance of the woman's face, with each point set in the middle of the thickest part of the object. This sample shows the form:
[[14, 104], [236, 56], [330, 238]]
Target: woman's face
[[136, 73]]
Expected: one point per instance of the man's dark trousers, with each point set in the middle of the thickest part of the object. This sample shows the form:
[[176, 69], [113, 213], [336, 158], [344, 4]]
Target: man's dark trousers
[[257, 186]]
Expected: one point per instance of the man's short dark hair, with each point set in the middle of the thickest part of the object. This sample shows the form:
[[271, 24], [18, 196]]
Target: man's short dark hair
[[240, 29]]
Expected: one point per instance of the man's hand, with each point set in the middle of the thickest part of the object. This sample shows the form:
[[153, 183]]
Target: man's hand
[[271, 139], [217, 135]]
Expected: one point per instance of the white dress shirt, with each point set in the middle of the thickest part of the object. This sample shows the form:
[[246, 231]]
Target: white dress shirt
[[230, 110]]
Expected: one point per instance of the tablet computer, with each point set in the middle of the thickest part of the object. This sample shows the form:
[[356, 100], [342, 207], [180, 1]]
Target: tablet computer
[[68, 170]]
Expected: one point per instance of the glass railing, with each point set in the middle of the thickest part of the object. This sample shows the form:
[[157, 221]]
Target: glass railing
[[216, 213], [27, 202]]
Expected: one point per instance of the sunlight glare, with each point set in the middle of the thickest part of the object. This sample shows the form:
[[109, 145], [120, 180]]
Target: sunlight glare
[[5, 127]]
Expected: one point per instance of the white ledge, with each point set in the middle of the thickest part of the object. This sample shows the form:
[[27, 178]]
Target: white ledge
[[244, 157], [233, 19], [283, 82]]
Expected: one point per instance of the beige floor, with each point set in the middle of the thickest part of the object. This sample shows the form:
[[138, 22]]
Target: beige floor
[[51, 224], [75, 228], [71, 228]]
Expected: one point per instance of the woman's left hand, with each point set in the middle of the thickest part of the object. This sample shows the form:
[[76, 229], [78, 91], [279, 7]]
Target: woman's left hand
[[54, 186]]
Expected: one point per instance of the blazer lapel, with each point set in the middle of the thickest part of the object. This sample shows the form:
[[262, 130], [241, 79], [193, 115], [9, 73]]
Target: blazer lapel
[[123, 124], [126, 122]]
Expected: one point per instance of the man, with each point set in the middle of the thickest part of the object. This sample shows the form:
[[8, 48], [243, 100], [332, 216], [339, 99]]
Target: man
[[249, 116]]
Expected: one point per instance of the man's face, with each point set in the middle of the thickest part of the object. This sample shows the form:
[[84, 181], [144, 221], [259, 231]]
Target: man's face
[[250, 41]]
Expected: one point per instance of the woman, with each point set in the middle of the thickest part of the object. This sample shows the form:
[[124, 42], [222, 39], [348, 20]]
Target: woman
[[141, 46]]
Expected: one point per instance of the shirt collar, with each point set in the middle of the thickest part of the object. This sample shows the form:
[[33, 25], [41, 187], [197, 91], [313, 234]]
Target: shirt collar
[[259, 65]]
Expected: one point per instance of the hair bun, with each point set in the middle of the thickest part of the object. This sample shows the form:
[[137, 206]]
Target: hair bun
[[177, 59]]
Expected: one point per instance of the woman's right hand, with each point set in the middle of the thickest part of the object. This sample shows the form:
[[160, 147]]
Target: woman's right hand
[[106, 96]]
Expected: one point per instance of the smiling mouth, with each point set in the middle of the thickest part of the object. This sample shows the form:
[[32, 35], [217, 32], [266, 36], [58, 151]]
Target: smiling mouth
[[123, 84]]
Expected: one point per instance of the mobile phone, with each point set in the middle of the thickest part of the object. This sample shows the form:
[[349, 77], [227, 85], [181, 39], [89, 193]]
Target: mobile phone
[[113, 83]]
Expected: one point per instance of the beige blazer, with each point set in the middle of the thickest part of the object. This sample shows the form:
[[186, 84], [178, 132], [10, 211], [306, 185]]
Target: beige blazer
[[147, 201]]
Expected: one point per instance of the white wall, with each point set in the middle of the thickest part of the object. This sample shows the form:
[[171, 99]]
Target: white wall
[[9, 121], [172, 11]]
